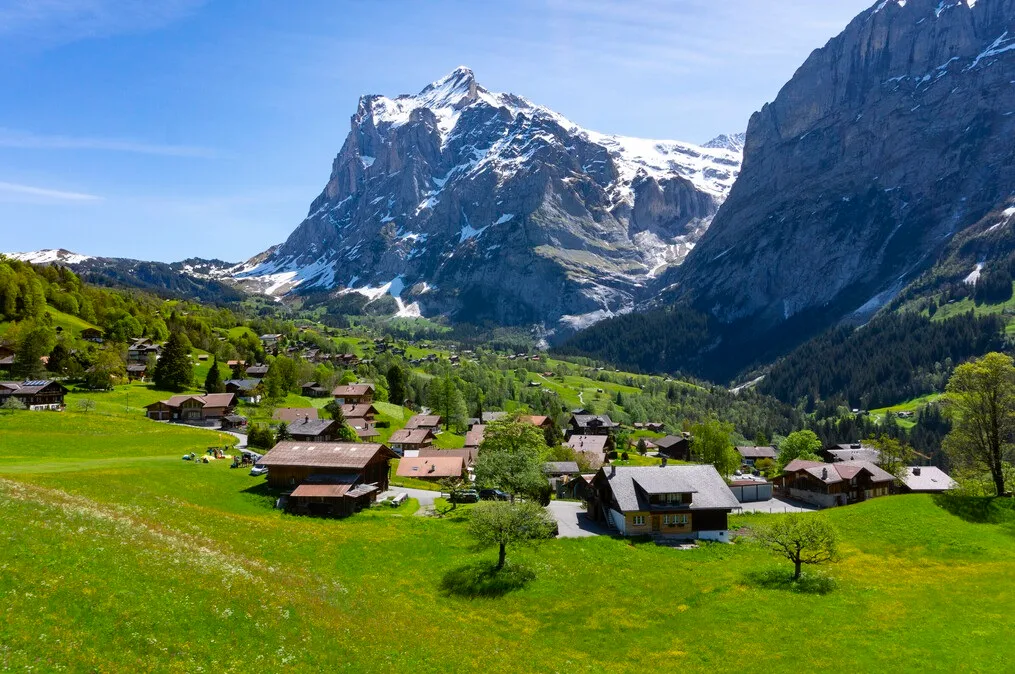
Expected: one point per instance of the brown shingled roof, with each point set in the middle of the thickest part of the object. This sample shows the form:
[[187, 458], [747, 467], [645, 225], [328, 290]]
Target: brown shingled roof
[[325, 454]]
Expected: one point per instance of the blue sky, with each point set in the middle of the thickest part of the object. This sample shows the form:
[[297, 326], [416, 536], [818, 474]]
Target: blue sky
[[178, 128]]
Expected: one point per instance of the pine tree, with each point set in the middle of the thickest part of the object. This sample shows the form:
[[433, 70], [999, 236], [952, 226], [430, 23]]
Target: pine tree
[[174, 371], [213, 382]]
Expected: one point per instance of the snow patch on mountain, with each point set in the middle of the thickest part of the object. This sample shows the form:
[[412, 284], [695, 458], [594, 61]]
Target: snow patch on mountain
[[50, 256]]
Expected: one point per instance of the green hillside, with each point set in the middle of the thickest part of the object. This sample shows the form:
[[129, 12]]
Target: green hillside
[[119, 556]]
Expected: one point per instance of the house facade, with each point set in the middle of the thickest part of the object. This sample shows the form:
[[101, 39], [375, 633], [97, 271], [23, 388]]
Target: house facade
[[354, 394], [290, 463], [834, 484], [691, 502], [36, 395], [192, 408], [676, 447], [429, 422], [751, 455], [590, 424], [408, 442]]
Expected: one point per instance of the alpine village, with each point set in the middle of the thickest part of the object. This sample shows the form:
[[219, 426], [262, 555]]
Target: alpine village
[[706, 409]]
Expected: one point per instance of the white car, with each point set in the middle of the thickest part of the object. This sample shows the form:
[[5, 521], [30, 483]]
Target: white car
[[259, 470]]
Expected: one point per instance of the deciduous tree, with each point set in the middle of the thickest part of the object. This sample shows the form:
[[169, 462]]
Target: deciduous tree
[[980, 398], [511, 457], [499, 523], [799, 445], [713, 444], [802, 539]]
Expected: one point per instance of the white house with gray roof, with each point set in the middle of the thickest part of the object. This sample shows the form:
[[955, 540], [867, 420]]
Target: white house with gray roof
[[668, 501]]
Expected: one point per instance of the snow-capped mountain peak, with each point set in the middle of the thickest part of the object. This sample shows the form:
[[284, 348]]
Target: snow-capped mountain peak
[[50, 256], [481, 200]]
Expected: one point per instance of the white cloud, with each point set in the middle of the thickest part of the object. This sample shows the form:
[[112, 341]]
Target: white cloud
[[50, 22], [16, 192], [26, 139]]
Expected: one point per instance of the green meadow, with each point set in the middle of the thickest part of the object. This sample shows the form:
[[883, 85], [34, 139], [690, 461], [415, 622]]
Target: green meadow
[[117, 556]]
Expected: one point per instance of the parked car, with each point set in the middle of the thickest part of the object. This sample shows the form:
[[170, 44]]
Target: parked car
[[259, 470], [494, 495], [465, 496]]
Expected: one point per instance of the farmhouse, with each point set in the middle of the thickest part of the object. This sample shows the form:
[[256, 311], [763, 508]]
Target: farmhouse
[[247, 390], [257, 371], [750, 455], [593, 447], [832, 484], [670, 501], [354, 394], [366, 412], [430, 422], [192, 408], [314, 430], [590, 424], [312, 390], [39, 394], [676, 447], [331, 496], [93, 335], [926, 480], [411, 441], [469, 455], [137, 372], [431, 468], [474, 436], [141, 349], [291, 415], [290, 463]]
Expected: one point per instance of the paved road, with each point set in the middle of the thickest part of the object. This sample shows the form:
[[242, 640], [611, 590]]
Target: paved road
[[777, 505], [573, 521], [425, 497]]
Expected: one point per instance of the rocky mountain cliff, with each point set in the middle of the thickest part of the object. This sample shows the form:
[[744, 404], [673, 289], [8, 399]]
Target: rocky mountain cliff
[[486, 207], [895, 137]]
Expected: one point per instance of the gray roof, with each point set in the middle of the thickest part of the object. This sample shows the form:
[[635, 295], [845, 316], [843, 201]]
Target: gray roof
[[929, 479], [586, 420], [245, 385], [855, 454], [561, 468], [669, 441], [630, 484], [310, 427], [757, 452]]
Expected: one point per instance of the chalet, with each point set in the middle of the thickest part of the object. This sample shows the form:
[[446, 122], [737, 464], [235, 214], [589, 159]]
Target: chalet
[[487, 418], [314, 430], [257, 371], [594, 448], [668, 501], [354, 394], [36, 395], [408, 442], [137, 372], [247, 390], [474, 436], [750, 455], [850, 452], [576, 489], [192, 408], [233, 422], [468, 455], [676, 447], [291, 415], [93, 335], [832, 484], [294, 464], [270, 340], [313, 390], [432, 468], [430, 422], [141, 349], [590, 424], [366, 412], [561, 469], [540, 421], [926, 480]]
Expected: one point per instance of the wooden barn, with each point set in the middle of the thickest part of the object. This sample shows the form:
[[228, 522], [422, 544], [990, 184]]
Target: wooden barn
[[290, 463]]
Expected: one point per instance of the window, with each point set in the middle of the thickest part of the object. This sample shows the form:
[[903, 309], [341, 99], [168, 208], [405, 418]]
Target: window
[[639, 520]]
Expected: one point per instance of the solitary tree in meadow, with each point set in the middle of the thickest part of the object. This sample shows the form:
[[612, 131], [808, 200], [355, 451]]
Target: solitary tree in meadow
[[802, 539], [500, 523], [980, 398]]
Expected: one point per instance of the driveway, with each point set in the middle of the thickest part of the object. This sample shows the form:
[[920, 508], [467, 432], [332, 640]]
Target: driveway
[[425, 497], [778, 505], [573, 521]]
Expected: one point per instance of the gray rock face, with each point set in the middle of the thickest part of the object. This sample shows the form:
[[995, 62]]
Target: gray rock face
[[485, 207], [894, 137]]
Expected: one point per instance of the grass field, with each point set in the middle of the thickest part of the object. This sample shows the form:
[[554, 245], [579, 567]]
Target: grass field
[[118, 556]]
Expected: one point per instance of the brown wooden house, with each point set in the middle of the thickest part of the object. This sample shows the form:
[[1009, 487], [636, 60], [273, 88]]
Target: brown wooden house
[[411, 441], [40, 394], [192, 408], [314, 430], [833, 484], [676, 447], [669, 501], [291, 462], [590, 424], [354, 394]]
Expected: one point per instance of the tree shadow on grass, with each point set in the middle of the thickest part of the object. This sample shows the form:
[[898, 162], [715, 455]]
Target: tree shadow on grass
[[482, 579], [978, 509], [781, 579]]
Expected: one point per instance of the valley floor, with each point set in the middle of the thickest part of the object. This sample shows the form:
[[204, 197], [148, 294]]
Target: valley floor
[[118, 556]]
